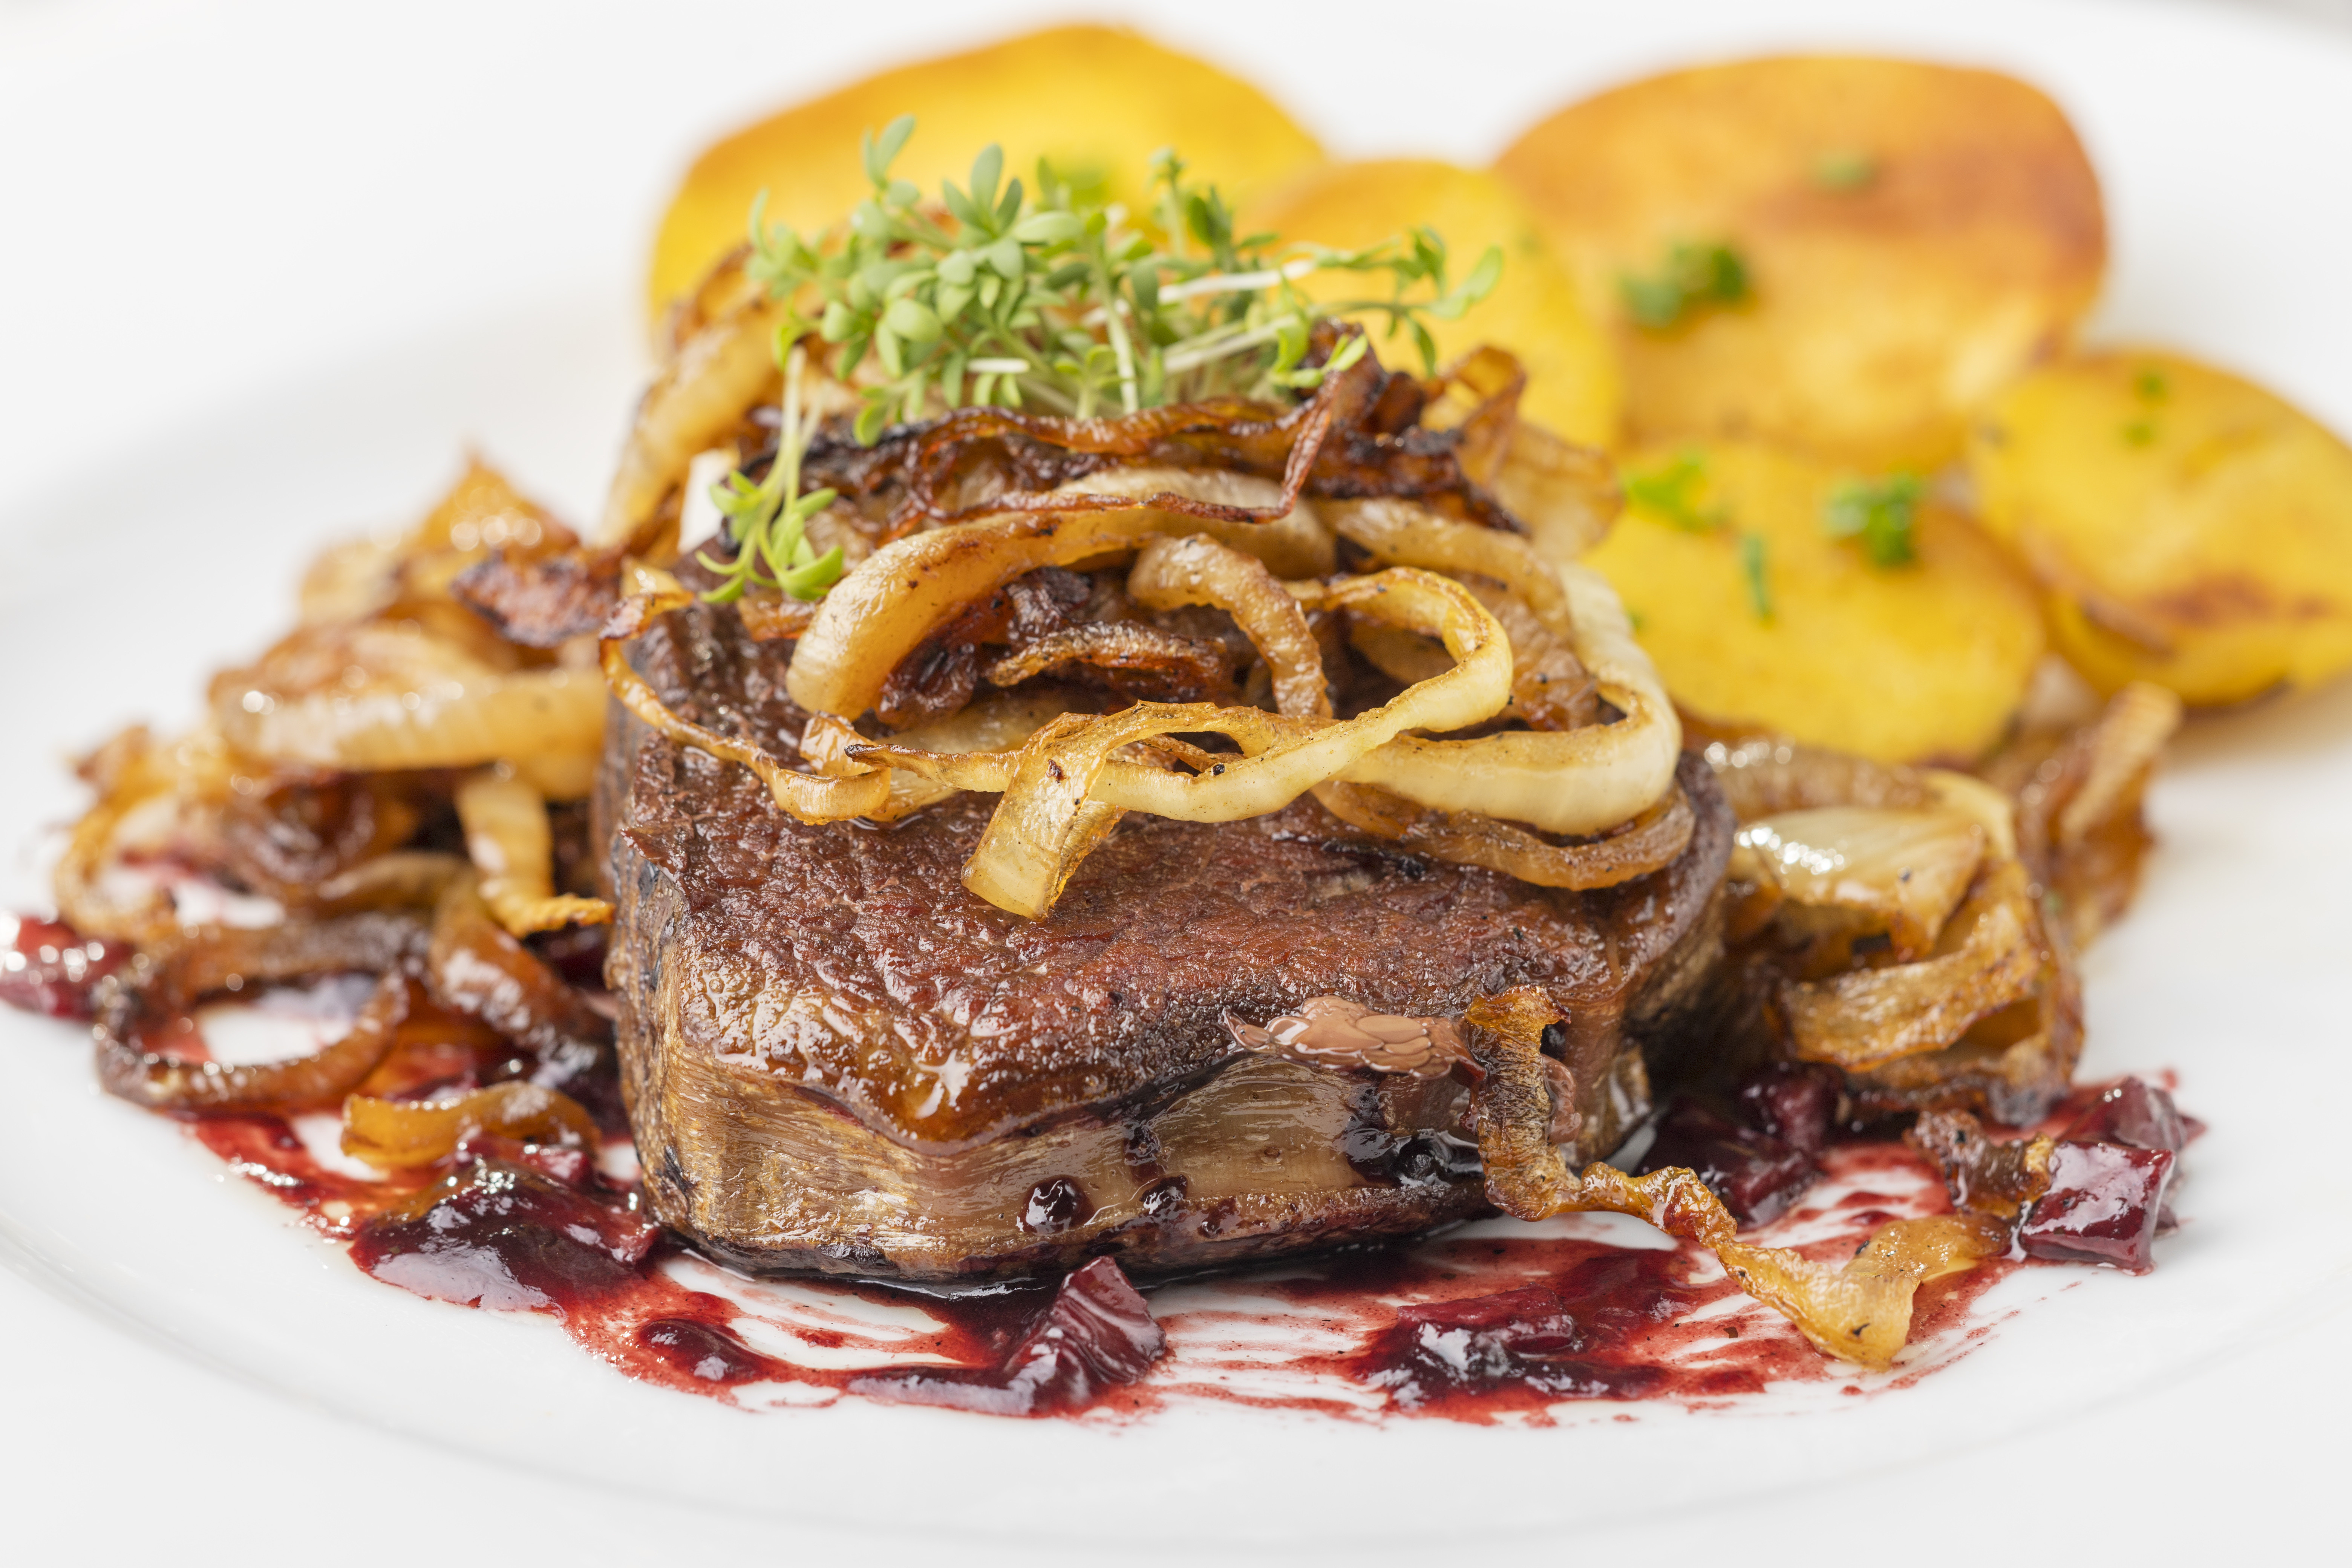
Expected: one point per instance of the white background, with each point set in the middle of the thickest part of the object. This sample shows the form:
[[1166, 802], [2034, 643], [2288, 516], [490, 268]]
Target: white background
[[200, 204]]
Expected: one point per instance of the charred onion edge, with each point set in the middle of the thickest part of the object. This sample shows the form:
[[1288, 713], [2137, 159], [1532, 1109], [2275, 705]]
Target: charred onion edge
[[1132, 434], [806, 797], [157, 1082], [1648, 843]]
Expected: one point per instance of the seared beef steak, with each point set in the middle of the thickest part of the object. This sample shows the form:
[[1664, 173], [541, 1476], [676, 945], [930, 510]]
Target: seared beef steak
[[837, 1059]]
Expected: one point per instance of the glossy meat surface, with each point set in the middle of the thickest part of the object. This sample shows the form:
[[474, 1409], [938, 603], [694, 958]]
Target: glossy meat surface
[[847, 964]]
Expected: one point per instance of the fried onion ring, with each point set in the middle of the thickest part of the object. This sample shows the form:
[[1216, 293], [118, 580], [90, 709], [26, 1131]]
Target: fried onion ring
[[212, 961], [898, 597], [1202, 570], [1580, 781]]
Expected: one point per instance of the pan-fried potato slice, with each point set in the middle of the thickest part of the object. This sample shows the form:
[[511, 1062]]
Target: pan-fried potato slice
[[1098, 101], [1535, 310], [1911, 236], [1758, 616], [2186, 527]]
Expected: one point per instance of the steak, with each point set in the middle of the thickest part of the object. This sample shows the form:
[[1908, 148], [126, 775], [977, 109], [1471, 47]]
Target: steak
[[836, 1058]]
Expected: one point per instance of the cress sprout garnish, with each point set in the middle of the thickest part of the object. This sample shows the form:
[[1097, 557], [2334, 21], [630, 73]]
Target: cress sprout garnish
[[769, 520], [1040, 297]]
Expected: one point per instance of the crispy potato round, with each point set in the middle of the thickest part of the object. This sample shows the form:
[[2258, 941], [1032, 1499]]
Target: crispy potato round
[[2188, 528], [1911, 236], [1535, 310], [1758, 616], [1098, 101]]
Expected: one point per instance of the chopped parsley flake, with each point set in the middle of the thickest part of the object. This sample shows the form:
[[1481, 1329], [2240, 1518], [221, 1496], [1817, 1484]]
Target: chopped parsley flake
[[1884, 514], [1751, 566], [1845, 169], [1670, 492], [1692, 278]]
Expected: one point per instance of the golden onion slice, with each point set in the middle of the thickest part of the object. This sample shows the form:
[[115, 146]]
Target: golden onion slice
[[1862, 1311], [890, 602], [1865, 869], [1648, 843], [380, 695], [393, 1134], [1200, 570], [508, 840], [1281, 757], [1046, 823], [1549, 687], [1295, 544], [804, 796], [978, 743], [1579, 781], [1987, 957], [1989, 807], [1297, 754], [147, 789], [727, 366], [1066, 789], [2125, 742]]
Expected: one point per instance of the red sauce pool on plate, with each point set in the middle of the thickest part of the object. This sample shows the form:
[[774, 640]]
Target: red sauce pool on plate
[[1493, 1322], [1497, 1321]]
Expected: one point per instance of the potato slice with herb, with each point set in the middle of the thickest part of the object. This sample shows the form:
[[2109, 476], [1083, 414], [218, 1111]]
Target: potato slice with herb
[[1098, 101], [1843, 255], [1535, 311], [1763, 610], [2188, 528]]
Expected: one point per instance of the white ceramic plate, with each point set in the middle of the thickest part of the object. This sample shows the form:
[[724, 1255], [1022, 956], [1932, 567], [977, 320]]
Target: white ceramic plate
[[178, 1339]]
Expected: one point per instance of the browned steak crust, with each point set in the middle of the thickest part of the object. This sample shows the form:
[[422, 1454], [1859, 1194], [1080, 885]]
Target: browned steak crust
[[767, 969]]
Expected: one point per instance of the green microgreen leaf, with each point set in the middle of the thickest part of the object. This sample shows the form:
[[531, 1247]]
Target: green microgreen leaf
[[1047, 295], [1884, 514], [883, 151], [768, 521]]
